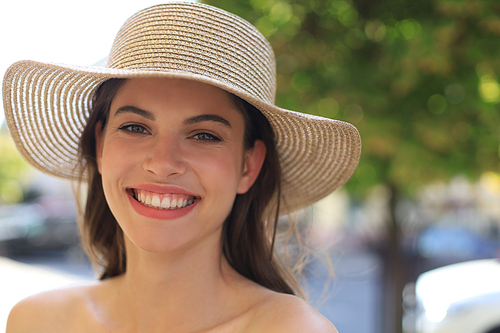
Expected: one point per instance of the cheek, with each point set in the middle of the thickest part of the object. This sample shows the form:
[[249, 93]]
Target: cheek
[[117, 155], [219, 177], [222, 170], [112, 163], [116, 162]]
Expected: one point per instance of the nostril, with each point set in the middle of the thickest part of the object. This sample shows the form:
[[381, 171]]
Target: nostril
[[165, 165]]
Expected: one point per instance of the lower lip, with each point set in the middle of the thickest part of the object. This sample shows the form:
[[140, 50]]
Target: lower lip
[[160, 214]]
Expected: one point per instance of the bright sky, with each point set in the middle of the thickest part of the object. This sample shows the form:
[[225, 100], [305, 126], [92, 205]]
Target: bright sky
[[78, 32]]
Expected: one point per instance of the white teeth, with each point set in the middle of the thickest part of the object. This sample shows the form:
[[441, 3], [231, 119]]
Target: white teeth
[[165, 203], [155, 201]]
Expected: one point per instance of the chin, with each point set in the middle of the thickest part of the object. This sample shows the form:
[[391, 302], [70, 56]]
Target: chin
[[174, 239]]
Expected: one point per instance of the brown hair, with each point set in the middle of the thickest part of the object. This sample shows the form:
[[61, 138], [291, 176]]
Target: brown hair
[[247, 240]]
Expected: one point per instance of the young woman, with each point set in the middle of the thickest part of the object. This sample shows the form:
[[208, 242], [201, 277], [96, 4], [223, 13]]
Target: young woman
[[189, 164]]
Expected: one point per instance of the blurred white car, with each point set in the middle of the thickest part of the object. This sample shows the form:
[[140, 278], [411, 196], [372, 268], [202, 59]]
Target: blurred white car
[[460, 298]]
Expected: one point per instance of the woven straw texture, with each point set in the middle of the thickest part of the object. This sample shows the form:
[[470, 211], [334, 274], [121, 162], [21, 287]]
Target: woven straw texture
[[47, 105]]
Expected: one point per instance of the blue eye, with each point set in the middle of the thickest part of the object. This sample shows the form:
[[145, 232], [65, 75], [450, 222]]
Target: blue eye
[[206, 137]]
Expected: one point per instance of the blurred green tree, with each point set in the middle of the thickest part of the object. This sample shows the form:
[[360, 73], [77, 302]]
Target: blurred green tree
[[12, 170], [419, 79]]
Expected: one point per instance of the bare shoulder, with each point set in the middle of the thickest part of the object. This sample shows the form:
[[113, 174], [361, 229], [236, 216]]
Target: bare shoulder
[[49, 311], [288, 313]]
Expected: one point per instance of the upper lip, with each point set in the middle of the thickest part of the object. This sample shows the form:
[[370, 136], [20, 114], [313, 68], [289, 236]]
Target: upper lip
[[162, 189]]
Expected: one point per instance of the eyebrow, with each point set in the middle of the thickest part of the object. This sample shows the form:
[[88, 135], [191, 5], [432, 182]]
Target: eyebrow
[[207, 117], [136, 110], [193, 120]]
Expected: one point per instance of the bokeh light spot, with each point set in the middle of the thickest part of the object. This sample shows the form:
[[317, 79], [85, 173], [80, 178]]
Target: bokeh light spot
[[455, 93], [375, 31], [490, 182], [345, 13], [280, 12], [265, 26], [328, 107], [354, 113], [485, 71], [437, 104], [409, 29], [489, 90], [12, 192], [262, 4]]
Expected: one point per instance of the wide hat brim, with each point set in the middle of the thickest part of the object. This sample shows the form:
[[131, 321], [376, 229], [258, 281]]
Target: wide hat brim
[[47, 106]]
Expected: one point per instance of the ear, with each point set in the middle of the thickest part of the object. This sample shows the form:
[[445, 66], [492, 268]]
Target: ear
[[98, 133], [254, 158]]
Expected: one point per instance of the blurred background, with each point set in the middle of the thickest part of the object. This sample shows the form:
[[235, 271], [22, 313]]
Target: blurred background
[[419, 79]]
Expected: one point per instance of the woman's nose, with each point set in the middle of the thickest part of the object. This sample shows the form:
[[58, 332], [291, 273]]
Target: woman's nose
[[164, 159]]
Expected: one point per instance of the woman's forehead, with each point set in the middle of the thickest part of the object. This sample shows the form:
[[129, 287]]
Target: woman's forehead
[[154, 94], [173, 87]]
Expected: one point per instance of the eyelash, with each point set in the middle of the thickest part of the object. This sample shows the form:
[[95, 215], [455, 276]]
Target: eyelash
[[208, 137], [143, 130], [128, 128]]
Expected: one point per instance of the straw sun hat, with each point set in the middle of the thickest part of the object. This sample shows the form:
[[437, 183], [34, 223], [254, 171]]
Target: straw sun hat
[[47, 104]]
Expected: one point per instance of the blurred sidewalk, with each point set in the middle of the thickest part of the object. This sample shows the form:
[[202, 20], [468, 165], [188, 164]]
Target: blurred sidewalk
[[17, 281]]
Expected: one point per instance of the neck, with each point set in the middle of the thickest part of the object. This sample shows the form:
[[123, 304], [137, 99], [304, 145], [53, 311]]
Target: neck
[[171, 290]]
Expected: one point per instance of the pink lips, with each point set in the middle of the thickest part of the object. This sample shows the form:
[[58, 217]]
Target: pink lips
[[156, 213]]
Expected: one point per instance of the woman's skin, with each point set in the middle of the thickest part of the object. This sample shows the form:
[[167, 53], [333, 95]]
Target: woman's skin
[[171, 139]]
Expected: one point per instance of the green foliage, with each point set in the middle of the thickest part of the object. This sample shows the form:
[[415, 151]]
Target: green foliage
[[418, 79], [12, 170]]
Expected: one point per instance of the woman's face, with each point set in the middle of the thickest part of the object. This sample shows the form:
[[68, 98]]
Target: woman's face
[[172, 161]]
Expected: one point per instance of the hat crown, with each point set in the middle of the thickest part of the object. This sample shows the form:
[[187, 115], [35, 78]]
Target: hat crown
[[47, 105], [199, 40]]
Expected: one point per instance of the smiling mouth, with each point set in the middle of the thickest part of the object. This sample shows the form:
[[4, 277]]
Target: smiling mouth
[[162, 201]]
